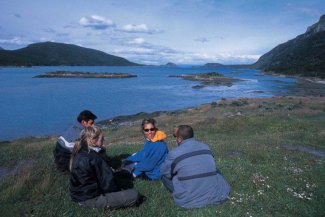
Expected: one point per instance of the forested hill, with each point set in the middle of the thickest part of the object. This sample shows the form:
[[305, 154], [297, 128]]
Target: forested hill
[[304, 55], [54, 54]]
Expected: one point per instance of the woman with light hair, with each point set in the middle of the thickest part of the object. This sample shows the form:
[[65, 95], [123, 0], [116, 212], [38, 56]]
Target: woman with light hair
[[92, 182]]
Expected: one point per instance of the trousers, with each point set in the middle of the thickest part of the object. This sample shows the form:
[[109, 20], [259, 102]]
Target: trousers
[[114, 200]]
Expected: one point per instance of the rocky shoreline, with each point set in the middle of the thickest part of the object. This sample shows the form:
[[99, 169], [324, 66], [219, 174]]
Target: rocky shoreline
[[67, 74], [208, 79]]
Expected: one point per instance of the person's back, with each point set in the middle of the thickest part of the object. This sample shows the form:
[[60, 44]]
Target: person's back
[[92, 182], [84, 183], [192, 192], [65, 143], [192, 174]]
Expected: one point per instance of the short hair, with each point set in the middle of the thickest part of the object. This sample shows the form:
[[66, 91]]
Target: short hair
[[86, 115], [185, 132], [148, 121]]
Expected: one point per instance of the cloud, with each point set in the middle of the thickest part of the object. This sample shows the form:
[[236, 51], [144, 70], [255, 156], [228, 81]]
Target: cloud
[[141, 53], [137, 41], [135, 51], [49, 30], [96, 22], [201, 39], [205, 39], [15, 41], [138, 28], [314, 12]]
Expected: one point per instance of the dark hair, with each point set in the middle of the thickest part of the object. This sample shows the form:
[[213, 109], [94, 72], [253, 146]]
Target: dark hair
[[184, 132], [148, 121], [86, 115]]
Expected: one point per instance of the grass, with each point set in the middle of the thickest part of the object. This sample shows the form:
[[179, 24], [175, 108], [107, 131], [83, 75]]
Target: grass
[[247, 137]]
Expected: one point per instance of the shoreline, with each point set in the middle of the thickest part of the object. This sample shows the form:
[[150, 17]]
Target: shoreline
[[298, 77], [129, 120]]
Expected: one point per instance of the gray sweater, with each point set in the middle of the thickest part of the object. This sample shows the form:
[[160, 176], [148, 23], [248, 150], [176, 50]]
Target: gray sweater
[[196, 180], [68, 139]]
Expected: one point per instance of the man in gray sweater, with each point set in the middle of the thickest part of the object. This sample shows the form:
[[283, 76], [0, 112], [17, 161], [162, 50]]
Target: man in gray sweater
[[190, 173], [65, 143]]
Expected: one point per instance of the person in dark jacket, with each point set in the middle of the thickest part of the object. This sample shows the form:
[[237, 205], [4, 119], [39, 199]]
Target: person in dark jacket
[[190, 174], [92, 182], [65, 143], [147, 162]]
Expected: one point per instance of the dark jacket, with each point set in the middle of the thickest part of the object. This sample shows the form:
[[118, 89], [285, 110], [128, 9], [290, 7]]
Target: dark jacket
[[61, 157], [90, 177], [64, 146]]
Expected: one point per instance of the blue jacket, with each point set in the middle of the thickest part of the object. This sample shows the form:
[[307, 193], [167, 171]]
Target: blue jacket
[[150, 159], [196, 180]]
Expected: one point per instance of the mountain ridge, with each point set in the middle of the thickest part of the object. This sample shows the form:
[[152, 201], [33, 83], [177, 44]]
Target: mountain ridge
[[303, 55], [54, 54]]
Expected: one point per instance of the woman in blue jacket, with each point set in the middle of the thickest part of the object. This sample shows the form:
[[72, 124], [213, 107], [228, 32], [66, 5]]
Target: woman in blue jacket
[[147, 162]]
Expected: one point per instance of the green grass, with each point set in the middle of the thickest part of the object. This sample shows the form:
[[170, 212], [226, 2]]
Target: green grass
[[247, 139]]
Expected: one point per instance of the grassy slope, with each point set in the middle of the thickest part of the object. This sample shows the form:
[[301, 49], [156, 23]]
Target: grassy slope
[[247, 138]]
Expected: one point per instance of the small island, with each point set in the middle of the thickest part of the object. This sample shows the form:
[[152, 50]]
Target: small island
[[67, 74], [209, 78]]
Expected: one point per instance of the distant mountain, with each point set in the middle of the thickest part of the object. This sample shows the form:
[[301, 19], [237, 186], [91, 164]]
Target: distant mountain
[[170, 64], [1, 48], [54, 54], [304, 55], [219, 65], [213, 65]]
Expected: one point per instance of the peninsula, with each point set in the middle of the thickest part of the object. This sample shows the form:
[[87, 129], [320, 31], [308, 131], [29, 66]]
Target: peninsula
[[67, 74], [209, 78]]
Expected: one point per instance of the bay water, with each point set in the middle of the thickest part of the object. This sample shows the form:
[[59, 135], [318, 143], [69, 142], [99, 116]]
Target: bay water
[[47, 106]]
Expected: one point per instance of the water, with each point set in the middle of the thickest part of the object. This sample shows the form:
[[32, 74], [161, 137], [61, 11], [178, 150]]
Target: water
[[44, 106]]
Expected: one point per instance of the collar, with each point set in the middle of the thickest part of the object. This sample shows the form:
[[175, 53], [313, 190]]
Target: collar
[[96, 149], [160, 135], [187, 141]]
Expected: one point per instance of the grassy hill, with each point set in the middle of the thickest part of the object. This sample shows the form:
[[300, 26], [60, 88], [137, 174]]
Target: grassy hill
[[262, 146], [56, 54]]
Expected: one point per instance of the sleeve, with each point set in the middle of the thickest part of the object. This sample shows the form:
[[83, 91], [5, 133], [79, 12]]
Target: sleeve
[[152, 154], [166, 166], [104, 175], [135, 157]]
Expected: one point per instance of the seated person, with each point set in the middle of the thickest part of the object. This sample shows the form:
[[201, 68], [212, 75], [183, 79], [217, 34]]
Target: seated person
[[147, 162], [189, 172], [65, 143], [92, 182]]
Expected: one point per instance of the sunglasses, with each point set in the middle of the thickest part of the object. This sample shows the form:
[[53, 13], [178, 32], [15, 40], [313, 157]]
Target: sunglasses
[[151, 129]]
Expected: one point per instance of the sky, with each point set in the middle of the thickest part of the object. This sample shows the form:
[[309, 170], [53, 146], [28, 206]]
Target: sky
[[185, 32]]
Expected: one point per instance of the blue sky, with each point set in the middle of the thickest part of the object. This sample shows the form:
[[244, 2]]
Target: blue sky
[[160, 31]]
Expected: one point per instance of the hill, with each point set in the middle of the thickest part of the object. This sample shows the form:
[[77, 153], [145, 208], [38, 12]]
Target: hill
[[270, 150], [54, 54], [304, 55], [169, 64], [219, 65]]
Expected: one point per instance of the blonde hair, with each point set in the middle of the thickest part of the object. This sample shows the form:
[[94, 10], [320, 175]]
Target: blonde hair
[[88, 137]]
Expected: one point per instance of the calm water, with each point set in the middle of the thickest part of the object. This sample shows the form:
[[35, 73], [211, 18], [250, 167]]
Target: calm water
[[43, 106]]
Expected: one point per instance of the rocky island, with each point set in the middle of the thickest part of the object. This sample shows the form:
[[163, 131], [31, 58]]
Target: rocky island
[[209, 78], [67, 74]]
